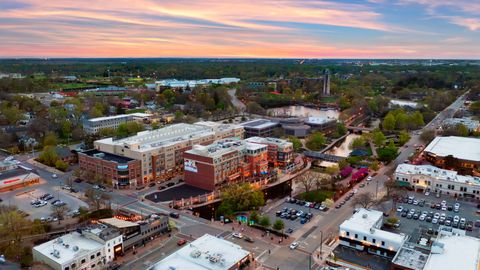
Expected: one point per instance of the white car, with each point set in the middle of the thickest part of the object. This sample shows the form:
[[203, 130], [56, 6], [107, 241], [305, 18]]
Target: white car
[[415, 202], [444, 208], [293, 245], [457, 205], [434, 221], [422, 217], [369, 178], [456, 219], [427, 193], [400, 208], [54, 175], [237, 235], [436, 215], [444, 203]]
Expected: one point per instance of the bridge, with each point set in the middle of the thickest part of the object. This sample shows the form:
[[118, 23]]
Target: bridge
[[322, 156], [356, 129]]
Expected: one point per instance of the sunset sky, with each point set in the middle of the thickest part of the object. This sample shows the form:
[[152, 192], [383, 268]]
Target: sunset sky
[[241, 28]]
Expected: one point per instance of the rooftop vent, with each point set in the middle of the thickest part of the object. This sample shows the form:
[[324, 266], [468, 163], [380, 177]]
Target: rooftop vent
[[59, 240], [364, 216], [56, 253], [75, 248]]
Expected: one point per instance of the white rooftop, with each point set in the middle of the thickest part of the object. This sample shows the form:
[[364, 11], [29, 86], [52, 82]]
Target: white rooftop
[[438, 173], [368, 222], [269, 140], [206, 253], [404, 103], [224, 146], [103, 118], [317, 120], [259, 124], [67, 254], [454, 252], [459, 147]]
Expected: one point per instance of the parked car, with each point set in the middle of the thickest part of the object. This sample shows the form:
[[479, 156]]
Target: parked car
[[289, 231], [248, 239], [293, 245], [237, 235], [181, 242], [152, 184], [174, 215]]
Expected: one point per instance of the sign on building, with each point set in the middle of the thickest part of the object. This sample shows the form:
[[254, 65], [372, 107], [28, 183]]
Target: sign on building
[[190, 165]]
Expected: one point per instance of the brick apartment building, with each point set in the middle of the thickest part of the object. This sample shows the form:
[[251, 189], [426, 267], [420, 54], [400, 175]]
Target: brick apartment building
[[226, 161], [280, 152], [123, 171]]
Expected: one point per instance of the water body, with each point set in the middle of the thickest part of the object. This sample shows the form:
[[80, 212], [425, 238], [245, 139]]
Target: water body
[[302, 111], [343, 149]]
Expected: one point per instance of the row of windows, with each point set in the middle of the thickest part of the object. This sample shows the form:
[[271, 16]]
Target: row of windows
[[366, 239]]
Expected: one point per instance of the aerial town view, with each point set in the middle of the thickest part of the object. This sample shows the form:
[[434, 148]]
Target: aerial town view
[[228, 135]]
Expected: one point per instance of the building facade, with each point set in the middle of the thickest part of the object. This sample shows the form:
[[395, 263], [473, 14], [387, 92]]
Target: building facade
[[94, 125], [12, 176], [363, 232], [124, 172], [426, 177], [455, 153], [161, 151], [259, 128], [280, 152], [223, 162]]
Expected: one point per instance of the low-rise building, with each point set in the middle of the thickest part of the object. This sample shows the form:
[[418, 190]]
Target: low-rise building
[[206, 253], [362, 231], [455, 153], [280, 152], [259, 127], [124, 172], [223, 162], [427, 177], [92, 247], [471, 124], [94, 125], [161, 151], [323, 124], [138, 233], [299, 131], [183, 84], [13, 176]]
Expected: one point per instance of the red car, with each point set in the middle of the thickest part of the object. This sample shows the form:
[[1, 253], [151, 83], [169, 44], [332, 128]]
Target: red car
[[181, 242]]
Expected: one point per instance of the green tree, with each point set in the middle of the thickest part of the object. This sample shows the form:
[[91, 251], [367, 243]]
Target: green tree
[[61, 165], [416, 120], [12, 114], [240, 197], [427, 135], [357, 143], [378, 138], [48, 156], [462, 130], [254, 216], [341, 129], [127, 129], [403, 137], [264, 221], [389, 122], [297, 144], [316, 141], [278, 225], [255, 108], [50, 139], [65, 128], [401, 121]]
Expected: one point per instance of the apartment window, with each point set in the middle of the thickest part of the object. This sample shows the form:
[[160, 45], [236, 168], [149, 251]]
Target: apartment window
[[91, 257], [93, 266], [364, 238], [356, 236], [98, 254], [74, 265], [83, 261], [67, 268], [373, 240], [383, 243]]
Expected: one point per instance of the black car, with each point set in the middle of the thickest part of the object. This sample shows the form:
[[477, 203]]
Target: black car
[[248, 239], [78, 180], [73, 190], [293, 217], [162, 187], [278, 213], [174, 215], [151, 184], [170, 184], [289, 230]]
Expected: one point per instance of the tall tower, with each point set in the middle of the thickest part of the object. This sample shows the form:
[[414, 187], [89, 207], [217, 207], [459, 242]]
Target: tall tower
[[326, 82]]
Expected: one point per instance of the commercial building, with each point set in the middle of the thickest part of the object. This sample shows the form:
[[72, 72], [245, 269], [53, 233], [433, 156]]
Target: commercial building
[[362, 231], [123, 171], [161, 151], [93, 247], [259, 127], [94, 125], [403, 104], [455, 153], [223, 162], [280, 152], [139, 232], [206, 253], [299, 131], [13, 176], [183, 84], [323, 124], [471, 124], [427, 177]]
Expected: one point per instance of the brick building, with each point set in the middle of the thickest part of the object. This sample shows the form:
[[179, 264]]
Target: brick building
[[226, 161], [123, 171], [280, 152]]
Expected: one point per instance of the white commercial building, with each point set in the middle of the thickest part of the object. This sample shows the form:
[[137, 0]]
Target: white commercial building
[[454, 252], [403, 103], [206, 253], [161, 151], [362, 231], [471, 124], [94, 125], [174, 83], [92, 248], [427, 177]]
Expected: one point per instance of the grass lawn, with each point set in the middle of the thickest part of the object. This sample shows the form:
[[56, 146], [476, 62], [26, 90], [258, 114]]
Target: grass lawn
[[135, 111], [316, 195], [71, 85]]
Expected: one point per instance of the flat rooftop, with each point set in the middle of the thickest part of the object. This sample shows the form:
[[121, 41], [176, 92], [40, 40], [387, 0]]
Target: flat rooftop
[[459, 147], [454, 252], [316, 120], [67, 254], [438, 173], [269, 140], [224, 146], [259, 124], [103, 118], [412, 257], [107, 156], [206, 253], [13, 173]]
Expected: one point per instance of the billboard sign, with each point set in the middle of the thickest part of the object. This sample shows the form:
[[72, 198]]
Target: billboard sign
[[190, 165]]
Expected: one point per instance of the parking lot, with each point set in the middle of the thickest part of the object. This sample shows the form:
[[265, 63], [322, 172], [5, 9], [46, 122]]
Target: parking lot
[[436, 212], [22, 198], [299, 220]]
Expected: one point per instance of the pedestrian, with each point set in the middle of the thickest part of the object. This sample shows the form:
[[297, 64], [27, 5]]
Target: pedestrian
[[269, 251]]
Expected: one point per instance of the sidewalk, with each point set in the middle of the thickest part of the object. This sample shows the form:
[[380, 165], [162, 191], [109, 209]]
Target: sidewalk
[[45, 167], [258, 233]]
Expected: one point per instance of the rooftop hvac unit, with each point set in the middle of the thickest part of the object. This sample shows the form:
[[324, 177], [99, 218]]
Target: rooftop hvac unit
[[56, 253], [75, 248], [59, 240], [364, 216]]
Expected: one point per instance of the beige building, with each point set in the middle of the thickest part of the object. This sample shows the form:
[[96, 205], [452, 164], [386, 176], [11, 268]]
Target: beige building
[[161, 151]]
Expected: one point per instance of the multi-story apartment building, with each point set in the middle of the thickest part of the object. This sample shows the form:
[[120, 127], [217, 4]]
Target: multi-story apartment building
[[259, 127], [455, 153], [223, 162], [426, 177], [280, 152], [94, 125], [161, 151], [124, 172]]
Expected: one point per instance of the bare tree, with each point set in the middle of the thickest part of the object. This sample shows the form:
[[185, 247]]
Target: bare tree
[[394, 192], [97, 198], [365, 200], [60, 211], [307, 180]]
